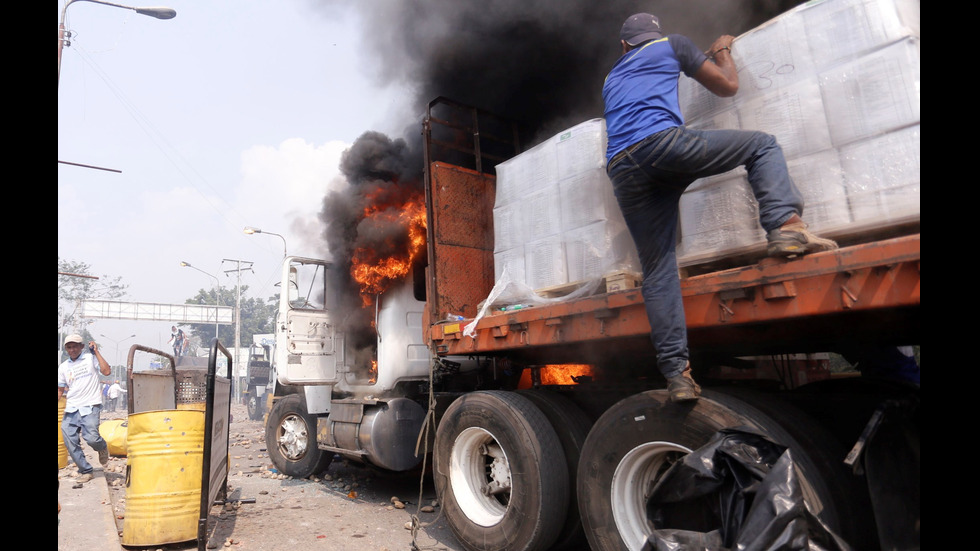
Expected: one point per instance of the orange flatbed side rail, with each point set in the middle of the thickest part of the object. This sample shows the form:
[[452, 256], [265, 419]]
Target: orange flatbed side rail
[[873, 278]]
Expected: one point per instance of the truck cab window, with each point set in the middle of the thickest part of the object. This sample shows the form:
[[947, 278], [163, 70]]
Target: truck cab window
[[307, 286]]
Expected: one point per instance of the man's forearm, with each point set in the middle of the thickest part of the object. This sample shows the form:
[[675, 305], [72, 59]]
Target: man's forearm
[[104, 366]]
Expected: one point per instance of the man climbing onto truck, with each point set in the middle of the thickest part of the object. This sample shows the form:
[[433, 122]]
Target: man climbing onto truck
[[177, 337], [652, 158]]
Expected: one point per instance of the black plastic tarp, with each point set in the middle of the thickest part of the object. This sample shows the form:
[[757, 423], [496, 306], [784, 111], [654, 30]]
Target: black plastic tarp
[[746, 484]]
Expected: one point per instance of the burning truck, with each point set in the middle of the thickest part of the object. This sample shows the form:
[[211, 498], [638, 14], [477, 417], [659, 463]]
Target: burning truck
[[530, 378]]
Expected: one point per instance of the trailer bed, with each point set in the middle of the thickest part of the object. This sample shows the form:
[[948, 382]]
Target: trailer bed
[[867, 293]]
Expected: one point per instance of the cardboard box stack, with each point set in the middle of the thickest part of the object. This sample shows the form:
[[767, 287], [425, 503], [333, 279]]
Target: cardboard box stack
[[555, 218], [837, 83]]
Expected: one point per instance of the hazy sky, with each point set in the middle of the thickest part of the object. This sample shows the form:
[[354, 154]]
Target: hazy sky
[[232, 114]]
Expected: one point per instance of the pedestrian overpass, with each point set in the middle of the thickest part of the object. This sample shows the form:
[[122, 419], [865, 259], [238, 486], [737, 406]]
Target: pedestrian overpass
[[152, 311]]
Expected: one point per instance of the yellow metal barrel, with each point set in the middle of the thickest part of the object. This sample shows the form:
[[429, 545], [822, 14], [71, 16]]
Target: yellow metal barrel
[[163, 476], [114, 433], [62, 449]]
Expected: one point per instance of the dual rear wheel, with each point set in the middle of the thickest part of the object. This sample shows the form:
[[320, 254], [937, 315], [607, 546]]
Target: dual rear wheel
[[511, 468], [500, 473]]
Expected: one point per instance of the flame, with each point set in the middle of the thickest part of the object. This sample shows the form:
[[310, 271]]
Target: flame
[[373, 274], [563, 374]]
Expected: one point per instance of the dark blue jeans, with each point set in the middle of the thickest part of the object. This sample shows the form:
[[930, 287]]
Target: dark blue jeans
[[648, 179], [73, 426]]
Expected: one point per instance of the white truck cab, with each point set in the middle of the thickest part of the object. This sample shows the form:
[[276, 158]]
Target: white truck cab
[[332, 398]]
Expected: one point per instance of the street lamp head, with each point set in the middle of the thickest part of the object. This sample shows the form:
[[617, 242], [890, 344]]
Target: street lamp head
[[187, 265], [249, 230], [159, 13], [217, 293]]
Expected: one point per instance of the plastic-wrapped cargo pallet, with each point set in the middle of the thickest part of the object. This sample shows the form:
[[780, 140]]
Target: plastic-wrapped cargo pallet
[[556, 221], [837, 83]]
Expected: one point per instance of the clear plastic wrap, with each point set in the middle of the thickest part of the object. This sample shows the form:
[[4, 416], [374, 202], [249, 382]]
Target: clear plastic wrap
[[837, 82], [564, 231]]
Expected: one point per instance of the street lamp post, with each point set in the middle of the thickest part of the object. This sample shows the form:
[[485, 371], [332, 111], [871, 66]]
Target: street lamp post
[[249, 230], [217, 293], [236, 363], [117, 343], [159, 13]]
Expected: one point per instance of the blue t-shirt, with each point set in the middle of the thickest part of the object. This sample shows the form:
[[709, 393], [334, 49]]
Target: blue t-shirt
[[640, 92]]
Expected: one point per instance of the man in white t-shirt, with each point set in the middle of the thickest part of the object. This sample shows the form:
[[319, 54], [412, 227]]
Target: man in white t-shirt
[[115, 392], [78, 382]]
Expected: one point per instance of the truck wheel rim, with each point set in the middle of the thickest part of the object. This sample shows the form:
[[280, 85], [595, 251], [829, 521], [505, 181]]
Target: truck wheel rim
[[633, 481], [480, 476], [292, 437]]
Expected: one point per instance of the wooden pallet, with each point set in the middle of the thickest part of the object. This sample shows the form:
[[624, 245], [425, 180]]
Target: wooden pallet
[[854, 234], [613, 281], [618, 281]]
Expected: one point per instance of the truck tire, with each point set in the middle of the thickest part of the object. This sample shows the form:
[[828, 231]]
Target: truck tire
[[290, 438], [500, 473], [255, 405], [572, 426], [631, 445]]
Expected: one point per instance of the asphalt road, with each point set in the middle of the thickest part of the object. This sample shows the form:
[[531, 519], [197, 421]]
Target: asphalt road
[[351, 508]]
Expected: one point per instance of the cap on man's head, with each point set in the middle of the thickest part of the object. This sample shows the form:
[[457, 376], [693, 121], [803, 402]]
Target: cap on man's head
[[73, 338], [640, 27]]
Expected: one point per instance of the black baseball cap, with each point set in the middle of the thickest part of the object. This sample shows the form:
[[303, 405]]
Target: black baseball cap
[[639, 28]]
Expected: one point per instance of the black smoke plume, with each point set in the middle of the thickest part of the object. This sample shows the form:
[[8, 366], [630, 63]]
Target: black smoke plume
[[379, 171]]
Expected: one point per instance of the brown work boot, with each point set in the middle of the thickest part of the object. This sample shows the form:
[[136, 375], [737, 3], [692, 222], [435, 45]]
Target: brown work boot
[[795, 239], [84, 478], [682, 387]]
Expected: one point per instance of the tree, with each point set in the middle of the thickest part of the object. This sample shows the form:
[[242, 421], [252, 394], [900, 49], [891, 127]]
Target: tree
[[257, 317], [75, 284]]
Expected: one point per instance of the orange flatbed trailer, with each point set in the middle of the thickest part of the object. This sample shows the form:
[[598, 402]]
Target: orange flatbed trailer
[[758, 329], [861, 293]]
